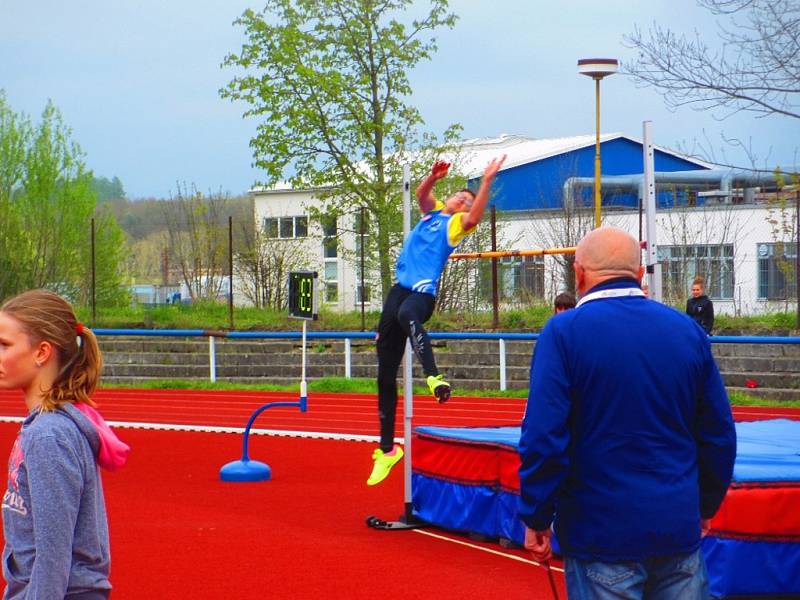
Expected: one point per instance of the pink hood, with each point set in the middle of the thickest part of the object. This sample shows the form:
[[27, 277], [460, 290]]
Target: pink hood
[[113, 451]]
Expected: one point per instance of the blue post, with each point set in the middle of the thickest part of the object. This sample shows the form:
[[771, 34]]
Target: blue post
[[246, 470]]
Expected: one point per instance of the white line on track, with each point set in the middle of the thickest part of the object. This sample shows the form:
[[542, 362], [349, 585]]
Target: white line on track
[[239, 430], [484, 549]]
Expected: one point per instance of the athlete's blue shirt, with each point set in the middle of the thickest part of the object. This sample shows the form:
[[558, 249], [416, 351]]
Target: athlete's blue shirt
[[427, 249]]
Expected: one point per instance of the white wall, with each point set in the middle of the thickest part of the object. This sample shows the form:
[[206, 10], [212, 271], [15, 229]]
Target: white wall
[[744, 226], [287, 203]]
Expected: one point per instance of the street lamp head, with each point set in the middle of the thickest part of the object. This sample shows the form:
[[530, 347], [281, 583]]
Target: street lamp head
[[597, 68]]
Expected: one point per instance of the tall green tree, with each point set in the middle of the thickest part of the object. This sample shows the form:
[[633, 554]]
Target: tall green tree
[[328, 81], [47, 204], [108, 189]]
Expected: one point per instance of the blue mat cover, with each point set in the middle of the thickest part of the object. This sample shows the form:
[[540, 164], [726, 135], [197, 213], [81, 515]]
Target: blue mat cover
[[768, 451]]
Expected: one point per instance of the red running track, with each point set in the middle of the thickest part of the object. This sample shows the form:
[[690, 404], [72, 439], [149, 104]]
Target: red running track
[[338, 414]]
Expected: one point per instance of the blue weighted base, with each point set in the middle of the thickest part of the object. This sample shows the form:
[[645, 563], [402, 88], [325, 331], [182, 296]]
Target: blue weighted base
[[245, 471]]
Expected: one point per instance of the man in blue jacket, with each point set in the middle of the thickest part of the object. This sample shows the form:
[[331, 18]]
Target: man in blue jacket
[[628, 442]]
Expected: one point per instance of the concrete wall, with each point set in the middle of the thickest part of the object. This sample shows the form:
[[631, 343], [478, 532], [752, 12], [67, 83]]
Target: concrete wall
[[467, 364]]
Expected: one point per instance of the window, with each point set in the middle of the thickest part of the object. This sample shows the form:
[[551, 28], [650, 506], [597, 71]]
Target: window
[[331, 270], [331, 265], [519, 279], [777, 271], [271, 227], [331, 291], [286, 227], [301, 227], [681, 264], [329, 241], [366, 293]]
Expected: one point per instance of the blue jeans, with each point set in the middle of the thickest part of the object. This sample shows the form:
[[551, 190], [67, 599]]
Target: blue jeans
[[679, 577]]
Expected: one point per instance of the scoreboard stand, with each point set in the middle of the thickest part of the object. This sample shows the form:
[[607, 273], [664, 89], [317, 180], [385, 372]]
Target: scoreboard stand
[[302, 305]]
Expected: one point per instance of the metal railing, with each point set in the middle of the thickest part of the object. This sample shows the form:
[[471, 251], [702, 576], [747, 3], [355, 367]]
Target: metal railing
[[348, 336]]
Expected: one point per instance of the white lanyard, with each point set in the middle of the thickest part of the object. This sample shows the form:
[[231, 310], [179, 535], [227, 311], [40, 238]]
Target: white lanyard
[[615, 293]]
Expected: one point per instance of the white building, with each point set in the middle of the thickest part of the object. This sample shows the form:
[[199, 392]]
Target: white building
[[738, 237]]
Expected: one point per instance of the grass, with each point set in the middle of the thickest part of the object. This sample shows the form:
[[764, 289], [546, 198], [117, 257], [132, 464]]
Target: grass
[[368, 386], [214, 315], [339, 385]]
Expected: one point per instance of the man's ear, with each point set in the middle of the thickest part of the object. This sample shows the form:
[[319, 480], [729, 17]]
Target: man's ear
[[44, 352], [579, 274], [641, 273]]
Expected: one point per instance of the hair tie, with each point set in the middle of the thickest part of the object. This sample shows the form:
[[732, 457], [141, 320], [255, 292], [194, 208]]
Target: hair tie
[[79, 328]]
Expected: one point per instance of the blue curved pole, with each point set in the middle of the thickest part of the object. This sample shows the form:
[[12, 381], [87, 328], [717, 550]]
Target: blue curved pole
[[302, 404]]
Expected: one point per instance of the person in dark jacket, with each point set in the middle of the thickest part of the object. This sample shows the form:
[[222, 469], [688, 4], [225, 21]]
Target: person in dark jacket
[[564, 301], [627, 444], [699, 306]]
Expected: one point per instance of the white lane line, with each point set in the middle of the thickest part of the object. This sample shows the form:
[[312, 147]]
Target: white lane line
[[239, 430], [484, 549]]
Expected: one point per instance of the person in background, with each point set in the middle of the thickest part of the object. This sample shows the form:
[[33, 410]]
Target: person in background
[[564, 301], [699, 306], [627, 445], [410, 302], [54, 515]]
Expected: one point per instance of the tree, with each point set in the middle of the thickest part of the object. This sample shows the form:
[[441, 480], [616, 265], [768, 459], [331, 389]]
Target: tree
[[329, 81], [108, 189], [197, 228], [46, 207], [263, 265], [754, 70]]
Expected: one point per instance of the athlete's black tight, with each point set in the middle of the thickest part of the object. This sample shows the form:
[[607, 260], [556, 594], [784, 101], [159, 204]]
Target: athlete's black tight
[[404, 313]]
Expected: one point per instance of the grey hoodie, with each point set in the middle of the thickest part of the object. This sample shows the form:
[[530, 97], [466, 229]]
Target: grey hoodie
[[54, 515]]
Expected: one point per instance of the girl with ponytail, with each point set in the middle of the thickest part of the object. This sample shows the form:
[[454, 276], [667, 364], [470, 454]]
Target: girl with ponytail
[[54, 516]]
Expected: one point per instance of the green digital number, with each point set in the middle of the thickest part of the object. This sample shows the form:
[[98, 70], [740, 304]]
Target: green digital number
[[301, 294]]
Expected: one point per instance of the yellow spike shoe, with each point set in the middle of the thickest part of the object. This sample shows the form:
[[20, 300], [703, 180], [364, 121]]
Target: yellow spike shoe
[[439, 388], [384, 461]]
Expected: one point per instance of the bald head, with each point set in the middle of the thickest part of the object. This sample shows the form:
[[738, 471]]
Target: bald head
[[607, 253]]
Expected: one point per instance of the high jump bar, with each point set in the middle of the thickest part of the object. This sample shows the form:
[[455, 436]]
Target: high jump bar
[[504, 253]]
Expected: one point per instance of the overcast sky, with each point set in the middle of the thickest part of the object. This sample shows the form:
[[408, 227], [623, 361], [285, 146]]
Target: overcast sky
[[138, 80]]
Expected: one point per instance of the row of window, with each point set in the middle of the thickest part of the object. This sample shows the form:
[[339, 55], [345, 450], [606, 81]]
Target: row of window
[[286, 227], [520, 277]]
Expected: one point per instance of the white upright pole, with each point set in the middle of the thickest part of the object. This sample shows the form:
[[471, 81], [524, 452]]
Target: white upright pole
[[651, 262], [408, 394], [212, 360], [303, 388]]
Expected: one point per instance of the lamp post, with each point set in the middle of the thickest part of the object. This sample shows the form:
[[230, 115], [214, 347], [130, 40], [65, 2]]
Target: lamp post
[[597, 68]]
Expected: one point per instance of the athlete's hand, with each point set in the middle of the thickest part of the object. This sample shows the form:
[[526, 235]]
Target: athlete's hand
[[440, 169], [538, 543], [493, 167]]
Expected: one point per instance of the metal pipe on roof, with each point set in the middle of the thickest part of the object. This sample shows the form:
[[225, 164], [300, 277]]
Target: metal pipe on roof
[[727, 179]]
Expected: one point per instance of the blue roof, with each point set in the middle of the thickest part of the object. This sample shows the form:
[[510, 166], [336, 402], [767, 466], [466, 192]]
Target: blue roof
[[538, 183]]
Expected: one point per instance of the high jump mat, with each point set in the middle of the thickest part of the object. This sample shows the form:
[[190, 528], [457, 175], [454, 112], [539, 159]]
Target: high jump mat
[[465, 479]]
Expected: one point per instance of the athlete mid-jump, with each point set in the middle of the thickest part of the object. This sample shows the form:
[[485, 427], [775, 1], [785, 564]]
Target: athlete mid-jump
[[411, 300]]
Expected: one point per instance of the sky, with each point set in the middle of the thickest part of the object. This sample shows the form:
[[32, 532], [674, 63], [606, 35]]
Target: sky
[[137, 82]]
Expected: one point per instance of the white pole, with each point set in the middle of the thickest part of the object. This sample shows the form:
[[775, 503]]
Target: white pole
[[303, 390], [408, 394], [347, 361], [212, 359], [502, 344], [652, 265]]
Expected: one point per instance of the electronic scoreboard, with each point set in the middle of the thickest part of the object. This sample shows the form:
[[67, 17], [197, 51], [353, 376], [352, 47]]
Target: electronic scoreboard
[[303, 295]]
